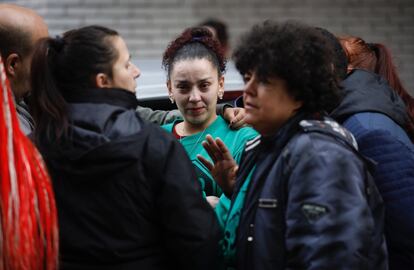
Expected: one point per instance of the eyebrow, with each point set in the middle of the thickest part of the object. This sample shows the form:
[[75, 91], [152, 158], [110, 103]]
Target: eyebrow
[[201, 80]]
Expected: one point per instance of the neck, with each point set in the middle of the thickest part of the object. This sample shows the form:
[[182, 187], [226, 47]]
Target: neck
[[186, 128]]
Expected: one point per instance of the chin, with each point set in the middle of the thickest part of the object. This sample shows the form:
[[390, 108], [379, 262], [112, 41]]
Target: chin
[[196, 119], [250, 119]]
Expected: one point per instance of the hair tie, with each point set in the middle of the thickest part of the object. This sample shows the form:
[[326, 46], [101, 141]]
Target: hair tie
[[196, 38], [59, 43], [371, 46]]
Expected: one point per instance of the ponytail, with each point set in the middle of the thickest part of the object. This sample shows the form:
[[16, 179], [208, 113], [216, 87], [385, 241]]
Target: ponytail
[[386, 68], [48, 105]]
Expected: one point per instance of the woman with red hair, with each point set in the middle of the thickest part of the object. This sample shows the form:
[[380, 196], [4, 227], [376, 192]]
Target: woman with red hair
[[377, 58], [379, 112], [28, 221]]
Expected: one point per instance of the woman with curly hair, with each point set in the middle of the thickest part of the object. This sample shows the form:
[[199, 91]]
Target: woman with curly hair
[[302, 197], [195, 67]]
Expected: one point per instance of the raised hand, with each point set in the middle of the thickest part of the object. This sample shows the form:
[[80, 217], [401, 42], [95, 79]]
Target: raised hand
[[225, 168]]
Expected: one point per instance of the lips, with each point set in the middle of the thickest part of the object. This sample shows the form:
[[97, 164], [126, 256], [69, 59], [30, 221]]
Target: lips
[[195, 111], [248, 105]]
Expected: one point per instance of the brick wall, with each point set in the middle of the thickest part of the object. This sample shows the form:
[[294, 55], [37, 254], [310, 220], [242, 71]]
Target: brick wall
[[148, 25]]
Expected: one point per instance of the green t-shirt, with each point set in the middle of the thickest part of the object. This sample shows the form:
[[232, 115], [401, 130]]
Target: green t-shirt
[[233, 139], [228, 215]]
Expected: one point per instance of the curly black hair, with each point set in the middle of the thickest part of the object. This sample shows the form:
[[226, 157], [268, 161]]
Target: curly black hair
[[297, 53], [195, 42]]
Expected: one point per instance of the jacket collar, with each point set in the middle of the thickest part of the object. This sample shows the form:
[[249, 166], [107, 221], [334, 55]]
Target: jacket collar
[[112, 96], [285, 133]]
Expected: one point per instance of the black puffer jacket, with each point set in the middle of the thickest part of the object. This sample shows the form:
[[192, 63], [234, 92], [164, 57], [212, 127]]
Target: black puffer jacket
[[127, 195], [311, 203]]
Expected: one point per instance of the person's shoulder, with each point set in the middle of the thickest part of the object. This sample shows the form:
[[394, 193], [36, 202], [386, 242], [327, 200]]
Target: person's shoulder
[[168, 127], [245, 133], [373, 125], [158, 138], [322, 137]]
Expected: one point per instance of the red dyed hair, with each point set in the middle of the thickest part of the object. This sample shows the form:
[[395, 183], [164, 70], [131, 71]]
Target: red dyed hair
[[377, 58], [28, 219]]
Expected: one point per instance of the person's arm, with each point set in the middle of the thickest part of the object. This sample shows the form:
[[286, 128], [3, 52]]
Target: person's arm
[[191, 232], [328, 220], [157, 116], [235, 116]]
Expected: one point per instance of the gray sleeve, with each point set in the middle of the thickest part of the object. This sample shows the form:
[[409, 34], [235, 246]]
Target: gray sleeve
[[157, 116], [164, 117]]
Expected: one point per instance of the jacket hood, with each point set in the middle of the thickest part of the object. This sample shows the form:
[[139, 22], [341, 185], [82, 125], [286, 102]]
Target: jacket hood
[[103, 125], [364, 91]]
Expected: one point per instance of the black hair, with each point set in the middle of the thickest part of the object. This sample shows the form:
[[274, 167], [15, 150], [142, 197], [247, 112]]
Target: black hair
[[194, 43], [63, 64], [296, 53], [220, 28], [340, 60]]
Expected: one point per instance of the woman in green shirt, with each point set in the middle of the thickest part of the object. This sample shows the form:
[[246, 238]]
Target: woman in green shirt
[[195, 66]]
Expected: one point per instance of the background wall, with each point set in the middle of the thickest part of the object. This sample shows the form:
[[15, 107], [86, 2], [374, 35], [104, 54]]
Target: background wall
[[148, 25]]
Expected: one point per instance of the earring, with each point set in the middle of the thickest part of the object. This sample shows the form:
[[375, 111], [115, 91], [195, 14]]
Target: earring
[[220, 95], [171, 97]]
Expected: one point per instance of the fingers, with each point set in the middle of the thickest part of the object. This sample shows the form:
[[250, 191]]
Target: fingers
[[216, 149], [233, 172], [205, 162], [224, 151], [239, 118], [211, 148]]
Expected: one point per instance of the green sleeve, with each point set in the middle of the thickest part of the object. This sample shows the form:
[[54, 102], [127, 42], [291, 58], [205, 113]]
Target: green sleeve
[[157, 116]]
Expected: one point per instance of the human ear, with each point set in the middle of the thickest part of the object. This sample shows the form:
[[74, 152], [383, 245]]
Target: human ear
[[12, 64], [221, 87], [170, 94], [103, 81]]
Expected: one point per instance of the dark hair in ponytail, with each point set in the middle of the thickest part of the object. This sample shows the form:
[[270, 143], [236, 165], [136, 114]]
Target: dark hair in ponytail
[[62, 64], [194, 43]]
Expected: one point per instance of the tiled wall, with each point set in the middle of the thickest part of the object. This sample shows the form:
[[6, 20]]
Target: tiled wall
[[147, 25]]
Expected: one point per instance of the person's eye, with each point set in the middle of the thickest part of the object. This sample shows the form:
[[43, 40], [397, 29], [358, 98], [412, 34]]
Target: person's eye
[[246, 78], [182, 87], [204, 86]]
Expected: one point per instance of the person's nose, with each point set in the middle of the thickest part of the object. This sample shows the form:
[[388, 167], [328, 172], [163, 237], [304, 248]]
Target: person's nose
[[136, 72], [195, 95], [250, 87]]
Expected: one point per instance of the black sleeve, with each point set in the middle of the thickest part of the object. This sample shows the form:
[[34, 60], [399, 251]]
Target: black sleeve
[[328, 220], [191, 229]]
